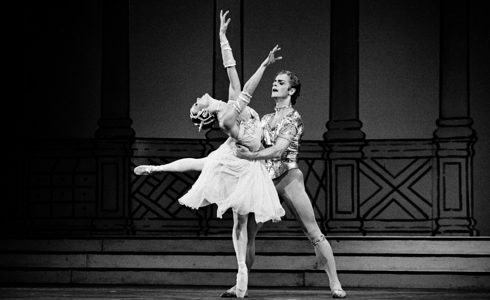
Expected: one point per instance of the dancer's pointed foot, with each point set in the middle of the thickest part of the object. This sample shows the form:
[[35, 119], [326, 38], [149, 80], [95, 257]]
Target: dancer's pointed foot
[[339, 293], [241, 283], [231, 293], [144, 170]]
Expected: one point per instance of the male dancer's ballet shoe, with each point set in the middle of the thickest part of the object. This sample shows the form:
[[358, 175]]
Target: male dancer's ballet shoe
[[143, 170], [231, 293], [339, 293]]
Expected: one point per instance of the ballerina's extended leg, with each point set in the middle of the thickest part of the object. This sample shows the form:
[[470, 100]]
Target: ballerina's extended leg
[[180, 165]]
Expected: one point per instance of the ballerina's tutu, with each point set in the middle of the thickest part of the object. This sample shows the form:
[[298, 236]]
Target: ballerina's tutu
[[231, 182]]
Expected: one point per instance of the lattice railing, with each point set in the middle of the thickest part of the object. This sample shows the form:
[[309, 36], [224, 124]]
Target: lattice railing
[[87, 187], [154, 199], [396, 188]]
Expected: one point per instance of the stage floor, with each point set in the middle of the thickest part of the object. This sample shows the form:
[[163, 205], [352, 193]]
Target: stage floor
[[191, 293]]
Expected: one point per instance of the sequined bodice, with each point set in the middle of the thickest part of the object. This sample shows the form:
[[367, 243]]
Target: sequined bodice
[[250, 132]]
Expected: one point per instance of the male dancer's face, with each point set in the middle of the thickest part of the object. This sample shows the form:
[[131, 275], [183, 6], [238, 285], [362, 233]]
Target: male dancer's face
[[280, 86]]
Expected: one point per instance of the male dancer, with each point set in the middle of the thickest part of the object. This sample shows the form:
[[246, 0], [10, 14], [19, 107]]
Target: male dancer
[[282, 134]]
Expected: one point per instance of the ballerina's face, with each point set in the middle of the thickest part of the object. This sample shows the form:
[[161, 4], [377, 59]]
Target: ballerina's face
[[281, 86], [200, 104]]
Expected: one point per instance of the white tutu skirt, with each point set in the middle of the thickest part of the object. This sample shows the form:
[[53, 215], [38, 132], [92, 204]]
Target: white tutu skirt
[[239, 184]]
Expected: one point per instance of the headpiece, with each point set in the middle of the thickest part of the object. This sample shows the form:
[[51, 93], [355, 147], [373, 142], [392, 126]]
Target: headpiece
[[203, 118]]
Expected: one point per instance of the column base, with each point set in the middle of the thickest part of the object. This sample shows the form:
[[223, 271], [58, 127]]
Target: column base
[[344, 131], [345, 149], [454, 128], [454, 226]]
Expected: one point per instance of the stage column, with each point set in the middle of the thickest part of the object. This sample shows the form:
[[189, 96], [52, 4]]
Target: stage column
[[115, 134], [454, 137], [344, 138]]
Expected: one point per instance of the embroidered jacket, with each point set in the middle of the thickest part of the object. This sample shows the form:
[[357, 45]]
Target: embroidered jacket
[[291, 128]]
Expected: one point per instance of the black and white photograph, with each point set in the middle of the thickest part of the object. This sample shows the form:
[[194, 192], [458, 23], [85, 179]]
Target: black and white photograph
[[260, 149]]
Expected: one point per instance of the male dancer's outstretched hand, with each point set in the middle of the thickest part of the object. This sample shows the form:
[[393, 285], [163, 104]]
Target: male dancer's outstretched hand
[[271, 58]]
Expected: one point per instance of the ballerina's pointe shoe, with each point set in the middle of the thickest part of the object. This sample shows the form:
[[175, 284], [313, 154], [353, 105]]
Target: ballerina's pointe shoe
[[231, 293], [339, 293], [241, 283], [143, 170]]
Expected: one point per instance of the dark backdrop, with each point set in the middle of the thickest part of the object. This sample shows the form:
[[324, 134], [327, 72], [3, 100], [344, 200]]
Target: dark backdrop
[[171, 64]]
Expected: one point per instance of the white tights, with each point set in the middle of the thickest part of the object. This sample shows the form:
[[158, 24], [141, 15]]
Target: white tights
[[239, 236], [291, 188], [180, 165]]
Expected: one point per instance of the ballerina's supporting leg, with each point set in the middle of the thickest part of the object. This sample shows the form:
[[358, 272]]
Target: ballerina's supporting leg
[[252, 230], [180, 165], [239, 237]]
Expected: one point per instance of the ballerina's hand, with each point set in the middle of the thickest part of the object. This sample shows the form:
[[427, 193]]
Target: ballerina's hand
[[271, 58], [223, 22]]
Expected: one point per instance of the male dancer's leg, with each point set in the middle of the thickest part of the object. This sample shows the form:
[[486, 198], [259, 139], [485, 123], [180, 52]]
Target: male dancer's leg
[[291, 188]]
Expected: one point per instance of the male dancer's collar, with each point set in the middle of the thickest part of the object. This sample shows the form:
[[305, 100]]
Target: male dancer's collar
[[279, 108]]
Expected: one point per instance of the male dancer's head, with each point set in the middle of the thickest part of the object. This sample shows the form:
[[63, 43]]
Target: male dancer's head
[[285, 88]]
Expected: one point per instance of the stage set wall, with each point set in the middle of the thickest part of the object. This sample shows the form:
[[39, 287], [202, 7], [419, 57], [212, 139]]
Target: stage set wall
[[172, 48]]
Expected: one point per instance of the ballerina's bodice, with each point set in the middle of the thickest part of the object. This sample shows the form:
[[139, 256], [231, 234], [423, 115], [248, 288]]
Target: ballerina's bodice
[[250, 130]]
